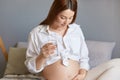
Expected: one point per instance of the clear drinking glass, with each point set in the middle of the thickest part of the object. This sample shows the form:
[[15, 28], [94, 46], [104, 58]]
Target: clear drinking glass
[[51, 39], [54, 42]]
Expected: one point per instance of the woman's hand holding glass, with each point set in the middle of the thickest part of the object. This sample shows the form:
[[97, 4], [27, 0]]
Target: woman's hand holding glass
[[48, 49]]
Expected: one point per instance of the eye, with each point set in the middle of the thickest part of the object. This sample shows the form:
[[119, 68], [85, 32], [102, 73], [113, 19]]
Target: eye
[[62, 17], [71, 18]]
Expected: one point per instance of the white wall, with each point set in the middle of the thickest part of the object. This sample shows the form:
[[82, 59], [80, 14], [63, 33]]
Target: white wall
[[100, 20], [17, 18]]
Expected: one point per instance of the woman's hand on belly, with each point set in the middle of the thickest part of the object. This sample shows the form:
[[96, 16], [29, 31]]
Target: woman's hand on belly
[[78, 77], [81, 75]]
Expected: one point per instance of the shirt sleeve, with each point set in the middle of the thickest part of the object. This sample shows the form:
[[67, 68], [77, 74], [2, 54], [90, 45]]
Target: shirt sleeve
[[84, 59], [31, 55]]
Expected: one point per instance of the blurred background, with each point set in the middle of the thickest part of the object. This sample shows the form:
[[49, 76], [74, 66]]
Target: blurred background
[[99, 20]]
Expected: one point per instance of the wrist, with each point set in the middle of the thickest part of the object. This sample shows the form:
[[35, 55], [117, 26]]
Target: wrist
[[41, 56]]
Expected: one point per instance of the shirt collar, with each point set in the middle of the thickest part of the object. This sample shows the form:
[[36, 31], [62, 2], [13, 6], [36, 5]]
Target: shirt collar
[[45, 28], [71, 28]]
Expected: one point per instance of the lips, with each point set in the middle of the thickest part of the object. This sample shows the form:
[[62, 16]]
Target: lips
[[63, 24]]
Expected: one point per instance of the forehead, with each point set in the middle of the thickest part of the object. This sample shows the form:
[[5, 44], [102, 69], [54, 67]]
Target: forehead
[[67, 12]]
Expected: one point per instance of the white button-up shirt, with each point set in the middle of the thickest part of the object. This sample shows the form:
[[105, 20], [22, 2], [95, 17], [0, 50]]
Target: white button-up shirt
[[71, 46]]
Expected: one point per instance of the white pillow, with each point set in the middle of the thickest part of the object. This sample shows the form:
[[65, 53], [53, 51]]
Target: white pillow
[[22, 44], [99, 51]]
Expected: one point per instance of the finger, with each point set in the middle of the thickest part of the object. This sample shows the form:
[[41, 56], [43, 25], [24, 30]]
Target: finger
[[51, 52], [49, 46], [45, 54], [47, 51], [76, 78]]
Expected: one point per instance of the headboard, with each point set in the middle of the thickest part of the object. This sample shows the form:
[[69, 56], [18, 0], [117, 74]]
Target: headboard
[[3, 49]]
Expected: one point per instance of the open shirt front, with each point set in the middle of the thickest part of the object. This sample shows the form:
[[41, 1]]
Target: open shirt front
[[71, 46]]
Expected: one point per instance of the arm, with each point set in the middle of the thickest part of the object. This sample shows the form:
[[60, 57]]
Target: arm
[[84, 59], [84, 65], [40, 60], [31, 55], [37, 56]]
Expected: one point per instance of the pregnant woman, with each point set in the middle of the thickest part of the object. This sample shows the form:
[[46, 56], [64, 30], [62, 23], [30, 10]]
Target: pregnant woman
[[56, 47]]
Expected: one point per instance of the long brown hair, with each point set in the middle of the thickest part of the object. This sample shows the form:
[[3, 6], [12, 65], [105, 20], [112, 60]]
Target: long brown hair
[[59, 6]]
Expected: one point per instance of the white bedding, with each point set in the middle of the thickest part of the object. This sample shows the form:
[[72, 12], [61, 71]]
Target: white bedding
[[96, 49]]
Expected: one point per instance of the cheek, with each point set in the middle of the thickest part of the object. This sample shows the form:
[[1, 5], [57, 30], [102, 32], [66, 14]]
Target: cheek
[[60, 20], [69, 21]]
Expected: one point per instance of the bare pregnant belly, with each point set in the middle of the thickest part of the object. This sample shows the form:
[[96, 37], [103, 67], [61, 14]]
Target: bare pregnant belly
[[57, 71]]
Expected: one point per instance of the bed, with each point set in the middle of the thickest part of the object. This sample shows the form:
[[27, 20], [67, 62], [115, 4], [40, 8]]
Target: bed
[[99, 52]]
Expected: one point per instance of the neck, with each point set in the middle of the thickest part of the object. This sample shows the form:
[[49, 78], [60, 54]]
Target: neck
[[56, 28], [60, 30]]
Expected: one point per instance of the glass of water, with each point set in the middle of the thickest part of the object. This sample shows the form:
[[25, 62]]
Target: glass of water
[[54, 42]]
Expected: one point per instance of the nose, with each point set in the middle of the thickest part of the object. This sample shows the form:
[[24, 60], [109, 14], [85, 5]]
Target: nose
[[66, 21]]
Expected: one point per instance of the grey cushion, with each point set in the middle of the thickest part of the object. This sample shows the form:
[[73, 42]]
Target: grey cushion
[[99, 51]]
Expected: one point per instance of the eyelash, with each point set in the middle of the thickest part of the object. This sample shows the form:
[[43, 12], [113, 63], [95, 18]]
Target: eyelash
[[64, 18]]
